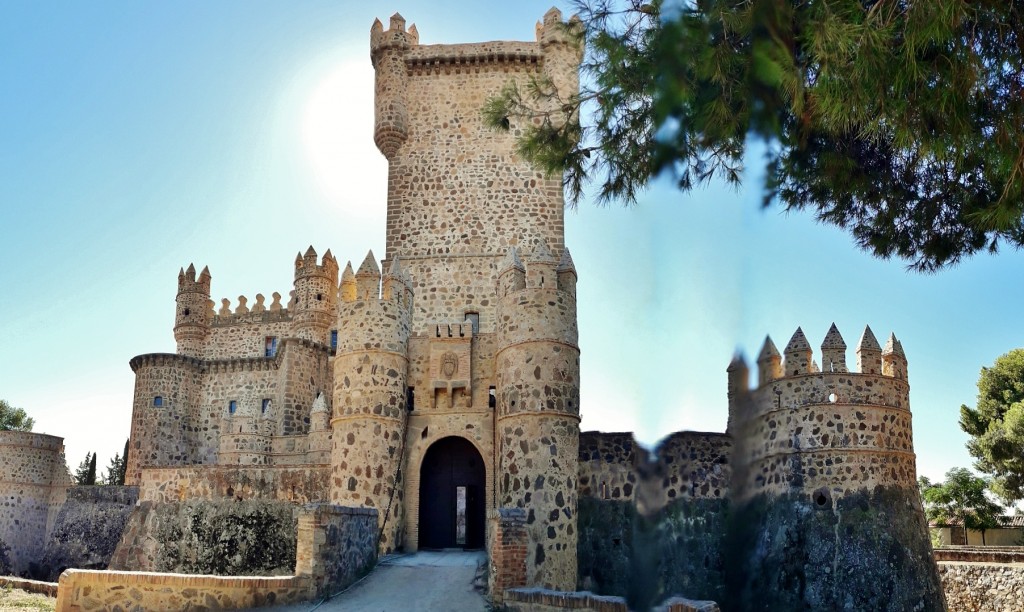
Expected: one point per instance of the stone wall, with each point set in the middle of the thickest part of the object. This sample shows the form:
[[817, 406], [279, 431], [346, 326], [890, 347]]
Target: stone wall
[[33, 484], [983, 587], [88, 528], [981, 554], [248, 537], [82, 590]]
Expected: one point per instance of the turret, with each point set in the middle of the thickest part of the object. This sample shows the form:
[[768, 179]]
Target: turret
[[821, 453], [833, 351], [388, 49], [769, 362], [537, 396], [562, 46], [348, 291], [371, 368], [869, 353], [798, 355], [194, 312], [396, 284], [315, 295]]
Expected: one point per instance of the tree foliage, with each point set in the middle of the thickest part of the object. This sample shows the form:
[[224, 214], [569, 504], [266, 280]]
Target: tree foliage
[[116, 469], [15, 419], [85, 473], [900, 122], [996, 425], [960, 500]]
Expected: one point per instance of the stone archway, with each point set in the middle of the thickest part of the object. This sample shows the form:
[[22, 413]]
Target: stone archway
[[452, 495]]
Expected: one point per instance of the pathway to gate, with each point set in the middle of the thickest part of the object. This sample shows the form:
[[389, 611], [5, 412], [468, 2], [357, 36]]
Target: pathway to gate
[[426, 580]]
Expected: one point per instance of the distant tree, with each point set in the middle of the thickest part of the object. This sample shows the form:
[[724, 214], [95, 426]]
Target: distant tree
[[81, 475], [897, 121], [115, 471], [996, 425], [14, 419], [960, 500]]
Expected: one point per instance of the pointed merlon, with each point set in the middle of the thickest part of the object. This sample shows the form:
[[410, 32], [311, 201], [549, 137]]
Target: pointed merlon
[[833, 339], [377, 27], [348, 276], [414, 34], [319, 404], [298, 259], [205, 273], [511, 260], [398, 22], [738, 363], [310, 253], [181, 273], [768, 350], [396, 268], [543, 252], [868, 342], [893, 347], [190, 273], [566, 264], [798, 343], [328, 256], [369, 266]]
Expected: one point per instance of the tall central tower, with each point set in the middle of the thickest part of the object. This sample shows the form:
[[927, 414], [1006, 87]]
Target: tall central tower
[[458, 195]]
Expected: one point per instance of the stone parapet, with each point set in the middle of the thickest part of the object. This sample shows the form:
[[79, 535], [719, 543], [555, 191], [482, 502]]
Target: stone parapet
[[983, 554], [335, 545], [296, 484]]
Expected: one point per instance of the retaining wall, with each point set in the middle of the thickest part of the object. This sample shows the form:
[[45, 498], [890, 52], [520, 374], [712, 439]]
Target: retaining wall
[[983, 587], [87, 529]]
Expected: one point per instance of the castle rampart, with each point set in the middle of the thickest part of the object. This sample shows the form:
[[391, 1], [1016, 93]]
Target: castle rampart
[[33, 486]]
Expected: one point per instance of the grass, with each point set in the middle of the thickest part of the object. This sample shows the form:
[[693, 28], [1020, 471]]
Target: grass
[[18, 600]]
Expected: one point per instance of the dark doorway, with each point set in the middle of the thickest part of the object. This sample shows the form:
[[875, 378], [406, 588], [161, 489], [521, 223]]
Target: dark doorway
[[452, 496]]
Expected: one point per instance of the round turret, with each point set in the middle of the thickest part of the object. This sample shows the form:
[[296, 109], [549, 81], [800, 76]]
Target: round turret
[[194, 312], [315, 295]]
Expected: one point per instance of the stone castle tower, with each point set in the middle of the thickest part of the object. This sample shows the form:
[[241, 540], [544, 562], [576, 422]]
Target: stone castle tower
[[435, 385]]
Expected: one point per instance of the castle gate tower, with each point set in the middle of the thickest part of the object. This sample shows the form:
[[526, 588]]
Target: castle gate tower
[[458, 198]]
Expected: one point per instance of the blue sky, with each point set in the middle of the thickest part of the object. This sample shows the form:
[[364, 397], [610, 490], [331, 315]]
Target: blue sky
[[136, 138]]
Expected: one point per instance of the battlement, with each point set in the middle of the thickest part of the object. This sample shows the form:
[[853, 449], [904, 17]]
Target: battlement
[[189, 283], [450, 330], [242, 313], [395, 37], [798, 358], [306, 265], [541, 271]]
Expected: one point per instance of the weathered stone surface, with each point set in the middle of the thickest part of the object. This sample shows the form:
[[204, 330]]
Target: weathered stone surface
[[87, 530], [985, 587]]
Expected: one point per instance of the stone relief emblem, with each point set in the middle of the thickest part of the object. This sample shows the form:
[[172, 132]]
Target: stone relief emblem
[[449, 364]]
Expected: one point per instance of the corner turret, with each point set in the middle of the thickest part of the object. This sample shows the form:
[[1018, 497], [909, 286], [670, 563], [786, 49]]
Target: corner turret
[[194, 312], [387, 53], [314, 296]]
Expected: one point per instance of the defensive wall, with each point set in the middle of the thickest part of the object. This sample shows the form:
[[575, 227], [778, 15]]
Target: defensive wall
[[87, 529], [334, 546], [33, 485]]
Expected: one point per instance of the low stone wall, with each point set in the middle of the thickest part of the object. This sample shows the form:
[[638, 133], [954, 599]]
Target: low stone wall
[[543, 600], [294, 484], [336, 545], [507, 541], [32, 586], [98, 590], [987, 554], [983, 587], [87, 529]]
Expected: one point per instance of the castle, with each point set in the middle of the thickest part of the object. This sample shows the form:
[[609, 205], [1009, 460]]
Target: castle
[[441, 383]]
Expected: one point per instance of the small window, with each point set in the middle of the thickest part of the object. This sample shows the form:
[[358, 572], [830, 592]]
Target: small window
[[270, 347], [492, 399], [334, 338], [158, 401], [187, 312], [232, 407], [266, 405], [474, 318]]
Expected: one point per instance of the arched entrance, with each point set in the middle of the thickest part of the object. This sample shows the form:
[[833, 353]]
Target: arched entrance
[[452, 496]]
